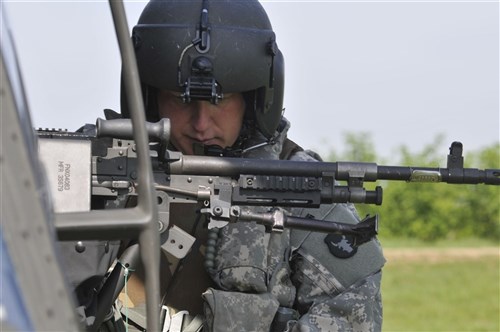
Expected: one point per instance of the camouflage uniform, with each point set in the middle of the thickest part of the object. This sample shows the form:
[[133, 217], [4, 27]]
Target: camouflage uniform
[[294, 274], [260, 281]]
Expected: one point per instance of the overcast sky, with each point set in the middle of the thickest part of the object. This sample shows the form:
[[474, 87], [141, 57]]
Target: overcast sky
[[404, 71]]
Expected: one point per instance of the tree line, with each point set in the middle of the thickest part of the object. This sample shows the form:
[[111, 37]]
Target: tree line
[[429, 211]]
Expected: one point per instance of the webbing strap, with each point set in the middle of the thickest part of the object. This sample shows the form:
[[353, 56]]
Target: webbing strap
[[289, 148]]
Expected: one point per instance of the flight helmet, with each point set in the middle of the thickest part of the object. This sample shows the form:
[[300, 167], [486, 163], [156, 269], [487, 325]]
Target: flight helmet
[[205, 48]]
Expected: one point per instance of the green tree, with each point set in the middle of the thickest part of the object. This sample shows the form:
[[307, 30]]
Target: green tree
[[482, 215]]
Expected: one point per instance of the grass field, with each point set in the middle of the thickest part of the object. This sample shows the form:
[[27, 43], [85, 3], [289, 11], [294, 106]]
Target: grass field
[[442, 288]]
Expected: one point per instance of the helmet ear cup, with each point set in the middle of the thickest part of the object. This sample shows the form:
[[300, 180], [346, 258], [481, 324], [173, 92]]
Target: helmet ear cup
[[269, 103], [151, 103]]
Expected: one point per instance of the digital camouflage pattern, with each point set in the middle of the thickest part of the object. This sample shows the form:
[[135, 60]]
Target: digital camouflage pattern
[[230, 311], [243, 247], [359, 308], [295, 270]]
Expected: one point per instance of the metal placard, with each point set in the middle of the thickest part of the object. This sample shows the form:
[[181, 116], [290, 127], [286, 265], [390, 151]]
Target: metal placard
[[68, 167]]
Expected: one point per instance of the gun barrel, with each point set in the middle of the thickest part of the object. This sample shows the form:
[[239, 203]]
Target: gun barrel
[[447, 175], [342, 171]]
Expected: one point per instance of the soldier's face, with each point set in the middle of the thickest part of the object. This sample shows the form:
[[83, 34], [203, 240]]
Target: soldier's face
[[202, 122]]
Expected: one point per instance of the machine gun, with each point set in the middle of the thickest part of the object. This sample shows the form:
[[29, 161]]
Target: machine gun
[[225, 185]]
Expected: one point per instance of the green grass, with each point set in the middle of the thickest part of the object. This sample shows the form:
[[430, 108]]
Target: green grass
[[391, 242], [446, 296]]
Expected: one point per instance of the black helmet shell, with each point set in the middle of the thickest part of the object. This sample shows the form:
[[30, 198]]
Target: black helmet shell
[[228, 42]]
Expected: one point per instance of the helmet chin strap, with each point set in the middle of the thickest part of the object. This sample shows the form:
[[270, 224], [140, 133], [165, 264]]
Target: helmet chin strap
[[232, 151], [270, 141], [215, 150]]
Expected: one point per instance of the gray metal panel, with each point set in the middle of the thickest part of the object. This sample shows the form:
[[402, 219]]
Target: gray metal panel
[[26, 214]]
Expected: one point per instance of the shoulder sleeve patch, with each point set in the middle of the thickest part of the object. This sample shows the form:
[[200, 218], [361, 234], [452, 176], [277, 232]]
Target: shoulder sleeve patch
[[341, 245]]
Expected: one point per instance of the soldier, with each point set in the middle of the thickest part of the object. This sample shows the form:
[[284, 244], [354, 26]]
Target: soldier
[[215, 70]]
